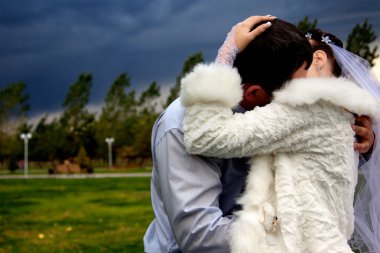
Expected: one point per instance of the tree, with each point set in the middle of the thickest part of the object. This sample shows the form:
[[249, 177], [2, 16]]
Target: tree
[[49, 142], [306, 24], [44, 141], [187, 67], [13, 107], [76, 120], [82, 157], [147, 98], [76, 101], [117, 116], [359, 41], [145, 120], [13, 102], [117, 102]]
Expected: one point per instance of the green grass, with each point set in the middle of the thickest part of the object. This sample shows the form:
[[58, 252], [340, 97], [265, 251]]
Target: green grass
[[21, 172], [35, 171], [74, 215], [129, 170]]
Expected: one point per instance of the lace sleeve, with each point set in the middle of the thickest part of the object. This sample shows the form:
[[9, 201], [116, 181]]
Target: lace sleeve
[[228, 51]]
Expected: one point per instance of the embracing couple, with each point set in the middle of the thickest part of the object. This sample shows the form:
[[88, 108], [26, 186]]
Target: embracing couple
[[261, 151]]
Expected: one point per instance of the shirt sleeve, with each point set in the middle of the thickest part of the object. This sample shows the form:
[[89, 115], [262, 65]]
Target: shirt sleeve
[[190, 188], [364, 158]]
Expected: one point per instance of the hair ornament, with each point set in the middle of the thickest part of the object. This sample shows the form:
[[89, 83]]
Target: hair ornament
[[326, 39], [309, 35]]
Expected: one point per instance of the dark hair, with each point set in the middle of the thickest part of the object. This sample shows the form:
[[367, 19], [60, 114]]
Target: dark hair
[[271, 58], [320, 40]]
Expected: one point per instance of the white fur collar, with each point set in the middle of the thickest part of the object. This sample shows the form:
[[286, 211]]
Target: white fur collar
[[337, 91], [215, 83]]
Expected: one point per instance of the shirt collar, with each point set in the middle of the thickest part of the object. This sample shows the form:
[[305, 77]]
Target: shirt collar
[[239, 109]]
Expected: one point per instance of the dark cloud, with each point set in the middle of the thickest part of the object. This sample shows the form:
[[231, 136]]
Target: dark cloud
[[49, 43]]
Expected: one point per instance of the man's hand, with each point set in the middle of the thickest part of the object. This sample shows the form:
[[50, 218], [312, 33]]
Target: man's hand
[[244, 33], [364, 133]]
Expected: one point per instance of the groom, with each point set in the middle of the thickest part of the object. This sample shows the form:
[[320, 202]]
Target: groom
[[193, 197]]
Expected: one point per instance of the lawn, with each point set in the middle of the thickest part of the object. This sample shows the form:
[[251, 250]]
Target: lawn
[[37, 171], [74, 215]]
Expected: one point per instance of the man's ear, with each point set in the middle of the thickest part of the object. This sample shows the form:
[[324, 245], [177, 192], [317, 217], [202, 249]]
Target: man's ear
[[251, 92], [254, 95]]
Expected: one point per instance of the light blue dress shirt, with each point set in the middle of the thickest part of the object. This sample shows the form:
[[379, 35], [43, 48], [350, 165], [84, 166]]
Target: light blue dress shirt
[[193, 197]]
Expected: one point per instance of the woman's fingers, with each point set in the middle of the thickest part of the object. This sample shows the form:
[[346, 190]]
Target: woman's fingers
[[244, 32]]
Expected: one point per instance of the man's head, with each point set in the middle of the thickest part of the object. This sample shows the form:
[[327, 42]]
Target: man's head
[[271, 59]]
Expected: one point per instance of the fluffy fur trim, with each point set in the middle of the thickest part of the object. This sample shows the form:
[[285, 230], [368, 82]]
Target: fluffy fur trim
[[214, 83], [337, 91]]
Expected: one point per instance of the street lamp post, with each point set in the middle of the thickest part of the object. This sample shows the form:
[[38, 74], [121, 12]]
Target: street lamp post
[[26, 137], [109, 142]]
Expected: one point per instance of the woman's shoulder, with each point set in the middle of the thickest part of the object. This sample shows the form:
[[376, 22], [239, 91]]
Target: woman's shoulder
[[336, 91]]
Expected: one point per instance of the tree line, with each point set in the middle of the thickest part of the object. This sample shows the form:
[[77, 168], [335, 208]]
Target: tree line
[[125, 116]]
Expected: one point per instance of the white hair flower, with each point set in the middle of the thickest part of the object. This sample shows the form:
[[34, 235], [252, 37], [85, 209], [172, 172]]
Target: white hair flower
[[326, 39], [308, 35]]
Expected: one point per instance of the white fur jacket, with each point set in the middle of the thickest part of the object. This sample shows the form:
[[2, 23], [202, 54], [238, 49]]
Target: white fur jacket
[[299, 192]]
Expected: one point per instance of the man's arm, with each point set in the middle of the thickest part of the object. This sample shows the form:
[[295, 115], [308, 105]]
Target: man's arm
[[190, 188]]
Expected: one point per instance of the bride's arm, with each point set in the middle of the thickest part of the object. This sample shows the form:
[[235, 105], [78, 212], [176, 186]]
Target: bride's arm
[[211, 128]]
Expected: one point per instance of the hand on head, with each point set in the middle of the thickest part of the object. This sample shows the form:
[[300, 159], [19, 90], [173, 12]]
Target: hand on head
[[244, 32], [240, 36]]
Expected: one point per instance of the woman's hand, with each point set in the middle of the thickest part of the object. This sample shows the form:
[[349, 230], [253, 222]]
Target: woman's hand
[[240, 36], [243, 33]]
